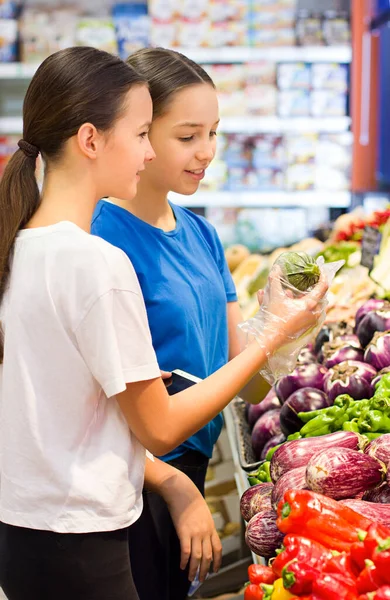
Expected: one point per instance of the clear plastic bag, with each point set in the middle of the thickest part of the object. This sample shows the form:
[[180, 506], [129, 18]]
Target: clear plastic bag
[[281, 303]]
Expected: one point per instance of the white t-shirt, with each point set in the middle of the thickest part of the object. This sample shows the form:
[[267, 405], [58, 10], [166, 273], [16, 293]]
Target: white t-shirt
[[76, 332]]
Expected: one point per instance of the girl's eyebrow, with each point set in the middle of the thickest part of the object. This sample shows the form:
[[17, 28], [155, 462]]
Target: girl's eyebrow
[[147, 124], [190, 124]]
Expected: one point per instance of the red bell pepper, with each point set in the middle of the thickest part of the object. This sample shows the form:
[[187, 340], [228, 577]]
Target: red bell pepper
[[302, 549], [369, 579], [261, 574], [376, 536], [381, 559], [383, 593], [359, 555], [298, 577], [333, 586], [341, 564], [323, 519], [253, 592]]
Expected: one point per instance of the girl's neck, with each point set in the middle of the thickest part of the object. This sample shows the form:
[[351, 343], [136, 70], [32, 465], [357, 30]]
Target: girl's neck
[[150, 205]]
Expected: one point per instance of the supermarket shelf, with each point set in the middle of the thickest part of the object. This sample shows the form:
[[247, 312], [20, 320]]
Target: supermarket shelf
[[252, 125], [309, 199], [238, 54], [249, 125]]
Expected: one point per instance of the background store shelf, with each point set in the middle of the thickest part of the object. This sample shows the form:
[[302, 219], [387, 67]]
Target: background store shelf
[[310, 199], [339, 54], [249, 125]]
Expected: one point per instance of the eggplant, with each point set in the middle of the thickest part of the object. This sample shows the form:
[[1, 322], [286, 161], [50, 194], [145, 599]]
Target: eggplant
[[380, 448], [339, 351], [378, 377], [256, 499], [378, 513], [342, 473], [379, 495], [377, 320], [304, 400], [297, 453], [255, 411], [274, 441], [329, 332], [265, 428], [349, 377], [369, 306], [310, 375], [306, 356], [262, 535], [377, 352], [292, 480]]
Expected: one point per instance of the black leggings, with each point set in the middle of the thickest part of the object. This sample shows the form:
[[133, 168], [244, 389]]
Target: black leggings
[[154, 545], [42, 565]]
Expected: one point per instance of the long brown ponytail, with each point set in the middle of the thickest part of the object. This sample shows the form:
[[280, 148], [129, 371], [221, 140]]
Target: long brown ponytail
[[71, 87]]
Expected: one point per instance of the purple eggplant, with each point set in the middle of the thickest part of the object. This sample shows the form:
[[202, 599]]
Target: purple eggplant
[[377, 320], [339, 351], [292, 480], [265, 428], [262, 535], [380, 448], [310, 375], [297, 453], [349, 377], [255, 411], [306, 356], [342, 473], [274, 441], [331, 331], [379, 495], [256, 499], [378, 513], [377, 352], [369, 306], [303, 400], [378, 377]]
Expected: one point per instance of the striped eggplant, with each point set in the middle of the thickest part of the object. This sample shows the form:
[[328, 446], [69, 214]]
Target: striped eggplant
[[380, 495], [262, 535], [380, 448], [297, 453], [256, 499], [379, 513], [294, 479], [343, 473]]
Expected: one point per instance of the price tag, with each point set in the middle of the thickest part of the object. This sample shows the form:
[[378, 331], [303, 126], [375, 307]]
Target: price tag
[[370, 246]]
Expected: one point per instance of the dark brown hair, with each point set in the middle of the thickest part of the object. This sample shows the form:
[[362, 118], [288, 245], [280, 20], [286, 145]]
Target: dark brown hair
[[71, 87], [167, 72]]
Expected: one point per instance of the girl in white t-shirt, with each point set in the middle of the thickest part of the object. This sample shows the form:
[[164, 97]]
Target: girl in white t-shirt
[[81, 395]]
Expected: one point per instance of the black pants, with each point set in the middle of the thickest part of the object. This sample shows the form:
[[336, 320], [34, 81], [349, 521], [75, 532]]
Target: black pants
[[154, 545], [42, 565]]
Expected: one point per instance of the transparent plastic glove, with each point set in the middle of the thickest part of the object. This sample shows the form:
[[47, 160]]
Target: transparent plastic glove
[[288, 319]]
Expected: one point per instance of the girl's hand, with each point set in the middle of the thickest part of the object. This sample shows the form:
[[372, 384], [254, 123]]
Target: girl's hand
[[194, 524]]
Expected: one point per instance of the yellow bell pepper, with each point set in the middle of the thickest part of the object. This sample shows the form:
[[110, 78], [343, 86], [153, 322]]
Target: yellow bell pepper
[[279, 592]]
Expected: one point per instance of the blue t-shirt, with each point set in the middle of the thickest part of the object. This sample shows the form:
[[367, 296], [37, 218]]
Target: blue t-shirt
[[186, 285]]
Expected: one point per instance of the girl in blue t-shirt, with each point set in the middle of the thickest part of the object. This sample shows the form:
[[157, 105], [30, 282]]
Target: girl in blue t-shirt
[[188, 290]]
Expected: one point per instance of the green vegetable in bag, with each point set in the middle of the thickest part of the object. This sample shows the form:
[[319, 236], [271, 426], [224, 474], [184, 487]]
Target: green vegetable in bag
[[300, 270]]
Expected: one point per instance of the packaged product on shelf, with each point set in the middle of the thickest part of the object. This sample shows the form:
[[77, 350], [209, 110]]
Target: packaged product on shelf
[[264, 229], [238, 152], [8, 9], [329, 76], [232, 104], [259, 73], [275, 16], [44, 31], [300, 177], [330, 178], [163, 33], [293, 76], [335, 150], [269, 179], [308, 29], [301, 148], [216, 176], [228, 33], [8, 145], [263, 38], [237, 179], [163, 10], [227, 78], [336, 28], [261, 100], [8, 40], [192, 9], [193, 33], [294, 103], [224, 220], [268, 151], [328, 103], [232, 10], [97, 32], [131, 23]]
